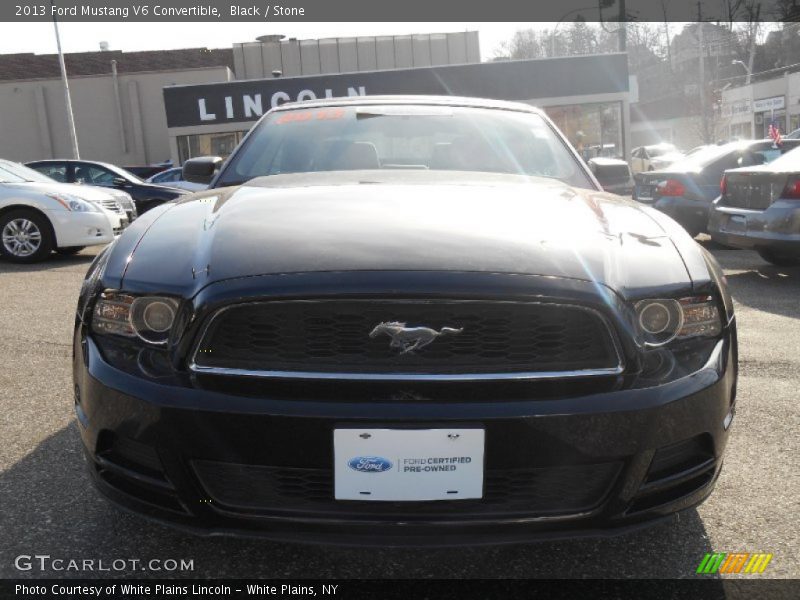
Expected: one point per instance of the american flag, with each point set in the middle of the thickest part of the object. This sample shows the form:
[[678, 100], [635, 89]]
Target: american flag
[[775, 134]]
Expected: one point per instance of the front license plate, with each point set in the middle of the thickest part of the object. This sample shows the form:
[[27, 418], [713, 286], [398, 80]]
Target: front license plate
[[408, 464]]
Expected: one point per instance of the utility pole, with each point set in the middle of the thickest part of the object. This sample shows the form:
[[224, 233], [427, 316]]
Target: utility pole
[[67, 98], [622, 30], [702, 86]]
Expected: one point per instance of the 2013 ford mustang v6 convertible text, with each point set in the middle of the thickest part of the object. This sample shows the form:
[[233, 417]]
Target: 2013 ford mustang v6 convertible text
[[404, 320]]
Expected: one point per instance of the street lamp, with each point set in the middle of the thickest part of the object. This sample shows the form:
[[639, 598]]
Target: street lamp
[[746, 68], [747, 82], [73, 136]]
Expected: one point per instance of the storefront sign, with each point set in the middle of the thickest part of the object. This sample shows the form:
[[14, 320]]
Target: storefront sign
[[766, 104], [243, 101], [735, 108]]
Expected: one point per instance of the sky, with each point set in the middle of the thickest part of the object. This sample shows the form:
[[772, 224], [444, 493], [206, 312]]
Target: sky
[[82, 37]]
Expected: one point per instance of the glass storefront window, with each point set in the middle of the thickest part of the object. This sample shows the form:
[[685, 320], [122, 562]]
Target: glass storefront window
[[740, 131], [593, 129], [208, 144], [764, 119]]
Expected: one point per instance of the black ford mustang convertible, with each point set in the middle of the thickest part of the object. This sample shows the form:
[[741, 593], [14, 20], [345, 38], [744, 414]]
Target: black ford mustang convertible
[[404, 320]]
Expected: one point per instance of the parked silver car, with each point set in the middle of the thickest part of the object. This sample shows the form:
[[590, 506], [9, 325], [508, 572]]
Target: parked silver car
[[759, 208]]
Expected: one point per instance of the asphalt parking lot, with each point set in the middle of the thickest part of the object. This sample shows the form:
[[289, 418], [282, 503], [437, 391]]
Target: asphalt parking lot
[[47, 505]]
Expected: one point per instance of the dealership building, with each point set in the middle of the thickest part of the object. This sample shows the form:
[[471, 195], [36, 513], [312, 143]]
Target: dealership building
[[746, 111], [136, 108]]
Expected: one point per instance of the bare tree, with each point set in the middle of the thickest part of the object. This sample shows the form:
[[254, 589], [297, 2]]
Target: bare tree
[[526, 43], [786, 10], [732, 8]]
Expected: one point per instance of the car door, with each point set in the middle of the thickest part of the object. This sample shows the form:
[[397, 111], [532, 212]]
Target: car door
[[646, 166], [636, 160]]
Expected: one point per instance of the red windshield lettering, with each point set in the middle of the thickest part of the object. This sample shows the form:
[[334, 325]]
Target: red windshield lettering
[[296, 116]]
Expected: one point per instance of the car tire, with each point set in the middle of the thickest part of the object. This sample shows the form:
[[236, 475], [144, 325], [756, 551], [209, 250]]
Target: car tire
[[69, 250], [777, 259], [38, 241]]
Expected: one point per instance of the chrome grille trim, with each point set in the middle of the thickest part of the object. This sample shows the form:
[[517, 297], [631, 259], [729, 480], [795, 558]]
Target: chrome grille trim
[[356, 376], [113, 206]]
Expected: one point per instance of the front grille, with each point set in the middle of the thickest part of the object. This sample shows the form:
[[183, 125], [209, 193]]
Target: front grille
[[331, 336], [113, 206], [533, 491]]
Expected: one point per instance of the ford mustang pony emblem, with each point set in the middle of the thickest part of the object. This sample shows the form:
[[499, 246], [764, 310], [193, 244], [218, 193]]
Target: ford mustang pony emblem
[[409, 339]]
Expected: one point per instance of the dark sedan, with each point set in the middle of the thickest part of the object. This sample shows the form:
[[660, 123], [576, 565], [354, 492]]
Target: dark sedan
[[759, 208], [686, 189], [145, 195], [404, 320]]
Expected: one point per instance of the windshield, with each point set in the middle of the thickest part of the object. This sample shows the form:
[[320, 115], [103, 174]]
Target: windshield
[[436, 138], [124, 173], [11, 172]]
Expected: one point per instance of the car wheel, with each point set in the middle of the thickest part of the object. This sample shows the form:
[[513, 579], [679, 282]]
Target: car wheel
[[777, 259], [25, 236], [70, 250]]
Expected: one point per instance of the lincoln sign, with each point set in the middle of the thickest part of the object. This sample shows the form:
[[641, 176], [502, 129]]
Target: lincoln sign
[[525, 80]]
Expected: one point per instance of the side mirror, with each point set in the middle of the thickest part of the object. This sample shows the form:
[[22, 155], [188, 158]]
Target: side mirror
[[119, 182], [201, 169]]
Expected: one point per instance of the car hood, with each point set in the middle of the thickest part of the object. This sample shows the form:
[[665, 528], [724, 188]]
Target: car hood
[[86, 192], [99, 192], [286, 224]]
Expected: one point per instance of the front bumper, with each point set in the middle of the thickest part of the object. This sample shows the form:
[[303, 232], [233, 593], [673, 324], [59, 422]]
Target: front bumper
[[234, 460], [776, 228], [81, 228]]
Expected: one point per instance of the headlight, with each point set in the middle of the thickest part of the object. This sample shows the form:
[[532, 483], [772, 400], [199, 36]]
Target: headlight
[[74, 203], [147, 317], [659, 321]]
